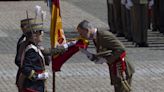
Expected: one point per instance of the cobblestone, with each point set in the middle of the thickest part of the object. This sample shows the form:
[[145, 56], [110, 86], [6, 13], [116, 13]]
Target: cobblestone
[[78, 74]]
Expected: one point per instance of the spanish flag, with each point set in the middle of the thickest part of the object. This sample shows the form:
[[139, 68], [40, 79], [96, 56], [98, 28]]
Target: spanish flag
[[56, 32], [58, 38], [61, 59]]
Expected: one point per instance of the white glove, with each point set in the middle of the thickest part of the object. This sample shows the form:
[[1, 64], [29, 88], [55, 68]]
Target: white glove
[[100, 60], [151, 3], [87, 53], [69, 44], [43, 76], [129, 4]]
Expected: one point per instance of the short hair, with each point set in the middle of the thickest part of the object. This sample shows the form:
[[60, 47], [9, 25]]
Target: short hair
[[85, 25]]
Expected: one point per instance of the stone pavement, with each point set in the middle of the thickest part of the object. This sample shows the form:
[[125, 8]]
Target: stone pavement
[[79, 74]]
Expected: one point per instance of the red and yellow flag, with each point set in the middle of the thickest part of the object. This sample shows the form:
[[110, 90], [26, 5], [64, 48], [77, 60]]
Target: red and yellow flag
[[58, 38], [56, 32], [61, 59]]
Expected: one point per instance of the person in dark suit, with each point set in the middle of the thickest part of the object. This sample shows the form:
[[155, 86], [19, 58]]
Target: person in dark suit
[[111, 51]]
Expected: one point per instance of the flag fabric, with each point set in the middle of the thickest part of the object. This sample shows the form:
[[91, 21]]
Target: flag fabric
[[56, 33], [58, 38], [61, 59]]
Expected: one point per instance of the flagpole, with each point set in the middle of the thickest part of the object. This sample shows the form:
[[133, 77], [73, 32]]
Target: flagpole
[[53, 37], [56, 27], [54, 81]]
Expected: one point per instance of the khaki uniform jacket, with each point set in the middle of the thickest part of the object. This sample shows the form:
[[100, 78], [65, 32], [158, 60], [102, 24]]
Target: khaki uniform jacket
[[106, 42]]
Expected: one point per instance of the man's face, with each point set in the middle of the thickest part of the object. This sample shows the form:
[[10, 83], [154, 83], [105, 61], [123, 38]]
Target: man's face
[[38, 36], [84, 33]]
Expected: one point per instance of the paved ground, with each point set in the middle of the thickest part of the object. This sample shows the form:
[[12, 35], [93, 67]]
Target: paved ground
[[79, 74]]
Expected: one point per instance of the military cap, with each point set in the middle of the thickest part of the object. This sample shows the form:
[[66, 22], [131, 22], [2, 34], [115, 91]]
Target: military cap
[[26, 22], [34, 27]]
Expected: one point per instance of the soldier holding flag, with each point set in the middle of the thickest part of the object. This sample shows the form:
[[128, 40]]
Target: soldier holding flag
[[31, 58], [22, 42], [33, 73]]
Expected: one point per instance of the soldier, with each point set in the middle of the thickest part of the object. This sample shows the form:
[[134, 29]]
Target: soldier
[[155, 16], [32, 73], [128, 9], [161, 14], [111, 23], [111, 51], [139, 22], [126, 18], [150, 4], [23, 25], [21, 43], [117, 17], [123, 17]]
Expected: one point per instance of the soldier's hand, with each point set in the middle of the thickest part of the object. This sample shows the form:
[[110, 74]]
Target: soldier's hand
[[58, 50], [90, 56], [69, 44]]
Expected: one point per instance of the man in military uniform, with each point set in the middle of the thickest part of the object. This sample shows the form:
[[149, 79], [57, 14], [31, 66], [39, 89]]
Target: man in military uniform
[[38, 57], [24, 23], [32, 68], [139, 22], [161, 14], [111, 51], [126, 19], [22, 42], [111, 23], [150, 6], [155, 16], [123, 17], [117, 17], [128, 32]]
